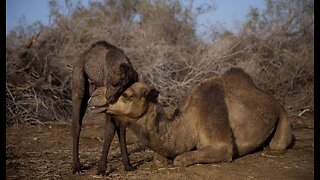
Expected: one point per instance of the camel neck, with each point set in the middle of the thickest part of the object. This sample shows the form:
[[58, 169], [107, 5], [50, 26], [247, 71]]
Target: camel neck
[[165, 136]]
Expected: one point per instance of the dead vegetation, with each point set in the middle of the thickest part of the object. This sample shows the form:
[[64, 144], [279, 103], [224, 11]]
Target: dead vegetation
[[275, 46]]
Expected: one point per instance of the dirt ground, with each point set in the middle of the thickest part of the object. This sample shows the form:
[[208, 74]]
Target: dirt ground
[[44, 152]]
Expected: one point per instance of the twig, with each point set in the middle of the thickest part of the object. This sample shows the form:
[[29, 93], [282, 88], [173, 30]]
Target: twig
[[36, 99], [10, 93]]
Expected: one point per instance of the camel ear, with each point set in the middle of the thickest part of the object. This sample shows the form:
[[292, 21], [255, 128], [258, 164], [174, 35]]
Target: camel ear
[[152, 95]]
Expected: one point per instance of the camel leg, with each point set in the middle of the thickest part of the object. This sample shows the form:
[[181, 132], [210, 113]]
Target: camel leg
[[282, 136], [109, 132], [160, 161], [79, 105], [213, 125], [208, 154], [121, 132]]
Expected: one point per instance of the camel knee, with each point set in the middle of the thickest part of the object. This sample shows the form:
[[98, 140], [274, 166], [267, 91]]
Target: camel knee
[[281, 143], [160, 161], [226, 152], [283, 134], [220, 153]]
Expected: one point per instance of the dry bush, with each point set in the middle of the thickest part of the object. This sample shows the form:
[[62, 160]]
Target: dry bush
[[159, 38], [285, 71], [31, 96]]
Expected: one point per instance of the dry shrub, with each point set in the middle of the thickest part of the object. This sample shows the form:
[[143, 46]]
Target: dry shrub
[[285, 72], [159, 38], [29, 95]]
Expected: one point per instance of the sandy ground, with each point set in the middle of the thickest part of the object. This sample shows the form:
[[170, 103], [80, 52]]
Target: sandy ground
[[44, 152]]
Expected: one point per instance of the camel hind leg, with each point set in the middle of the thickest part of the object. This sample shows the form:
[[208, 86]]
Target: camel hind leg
[[283, 135]]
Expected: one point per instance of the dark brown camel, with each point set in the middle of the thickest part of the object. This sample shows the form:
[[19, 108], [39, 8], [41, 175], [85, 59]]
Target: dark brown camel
[[101, 65]]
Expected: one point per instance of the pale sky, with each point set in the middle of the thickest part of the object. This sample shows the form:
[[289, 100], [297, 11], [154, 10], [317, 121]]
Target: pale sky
[[229, 13]]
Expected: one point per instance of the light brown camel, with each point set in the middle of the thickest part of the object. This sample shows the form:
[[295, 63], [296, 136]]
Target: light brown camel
[[222, 118]]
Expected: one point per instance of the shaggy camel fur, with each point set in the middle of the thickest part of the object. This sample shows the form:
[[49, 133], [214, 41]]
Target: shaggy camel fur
[[101, 65]]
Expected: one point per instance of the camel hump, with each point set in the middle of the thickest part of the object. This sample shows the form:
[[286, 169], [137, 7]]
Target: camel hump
[[235, 71], [235, 74], [104, 44]]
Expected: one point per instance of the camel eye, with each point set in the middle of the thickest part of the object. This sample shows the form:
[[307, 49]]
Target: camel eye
[[127, 96]]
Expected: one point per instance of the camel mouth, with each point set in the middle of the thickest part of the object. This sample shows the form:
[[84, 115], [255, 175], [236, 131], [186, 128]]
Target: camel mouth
[[97, 109], [95, 106], [109, 110]]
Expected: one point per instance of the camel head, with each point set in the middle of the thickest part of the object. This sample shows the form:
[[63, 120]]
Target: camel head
[[98, 101], [134, 101]]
